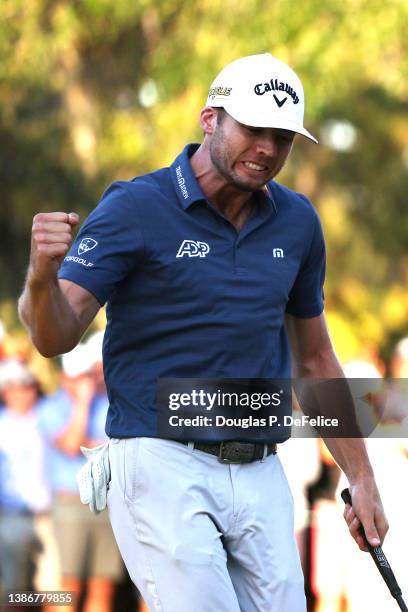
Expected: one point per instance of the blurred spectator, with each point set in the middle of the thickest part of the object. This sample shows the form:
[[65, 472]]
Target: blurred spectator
[[348, 579], [388, 458], [327, 573], [75, 416], [24, 491], [399, 360], [395, 404], [94, 348], [334, 552]]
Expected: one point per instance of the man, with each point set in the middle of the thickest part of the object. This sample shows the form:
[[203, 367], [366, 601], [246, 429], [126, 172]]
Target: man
[[24, 489], [71, 417], [199, 263]]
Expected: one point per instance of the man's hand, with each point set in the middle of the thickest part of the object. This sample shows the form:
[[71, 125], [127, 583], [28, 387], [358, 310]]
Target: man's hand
[[55, 311], [50, 240], [367, 510], [314, 358]]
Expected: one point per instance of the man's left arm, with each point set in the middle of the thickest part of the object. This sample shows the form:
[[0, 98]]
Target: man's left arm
[[314, 357]]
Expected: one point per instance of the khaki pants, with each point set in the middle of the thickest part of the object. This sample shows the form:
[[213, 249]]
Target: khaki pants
[[196, 534]]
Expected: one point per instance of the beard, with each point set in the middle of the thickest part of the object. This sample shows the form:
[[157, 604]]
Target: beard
[[220, 155]]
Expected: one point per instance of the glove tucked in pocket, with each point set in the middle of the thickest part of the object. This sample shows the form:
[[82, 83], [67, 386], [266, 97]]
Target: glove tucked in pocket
[[93, 478]]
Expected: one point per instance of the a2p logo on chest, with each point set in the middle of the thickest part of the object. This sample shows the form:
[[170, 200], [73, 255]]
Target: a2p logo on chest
[[193, 248]]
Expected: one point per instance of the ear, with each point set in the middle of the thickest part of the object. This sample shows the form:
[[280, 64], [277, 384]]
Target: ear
[[208, 120]]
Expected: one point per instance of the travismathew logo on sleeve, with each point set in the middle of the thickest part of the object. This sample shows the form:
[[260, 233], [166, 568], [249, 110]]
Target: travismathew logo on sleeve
[[275, 85]]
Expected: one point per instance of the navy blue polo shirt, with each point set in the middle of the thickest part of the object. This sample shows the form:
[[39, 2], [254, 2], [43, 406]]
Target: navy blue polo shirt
[[187, 295]]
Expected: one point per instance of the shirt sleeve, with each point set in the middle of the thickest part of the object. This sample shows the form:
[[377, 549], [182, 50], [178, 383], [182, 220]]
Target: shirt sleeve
[[108, 244], [306, 298]]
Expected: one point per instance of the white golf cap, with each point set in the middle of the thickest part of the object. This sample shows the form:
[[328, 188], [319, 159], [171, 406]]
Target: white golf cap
[[14, 372], [261, 91]]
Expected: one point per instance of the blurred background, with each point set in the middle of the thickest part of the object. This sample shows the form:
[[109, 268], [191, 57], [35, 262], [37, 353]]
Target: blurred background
[[92, 91]]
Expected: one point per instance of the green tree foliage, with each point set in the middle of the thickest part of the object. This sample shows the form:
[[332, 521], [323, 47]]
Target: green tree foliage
[[93, 90]]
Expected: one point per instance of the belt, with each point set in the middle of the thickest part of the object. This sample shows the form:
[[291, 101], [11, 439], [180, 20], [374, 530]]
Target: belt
[[236, 452]]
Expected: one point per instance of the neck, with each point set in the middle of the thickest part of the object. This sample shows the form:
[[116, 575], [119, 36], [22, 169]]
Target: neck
[[234, 203]]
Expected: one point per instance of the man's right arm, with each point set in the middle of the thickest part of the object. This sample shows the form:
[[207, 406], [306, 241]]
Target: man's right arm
[[56, 312]]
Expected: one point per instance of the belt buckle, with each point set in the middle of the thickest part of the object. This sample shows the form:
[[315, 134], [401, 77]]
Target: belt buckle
[[236, 452]]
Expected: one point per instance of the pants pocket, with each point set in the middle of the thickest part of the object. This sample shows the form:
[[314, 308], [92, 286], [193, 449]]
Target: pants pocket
[[131, 451]]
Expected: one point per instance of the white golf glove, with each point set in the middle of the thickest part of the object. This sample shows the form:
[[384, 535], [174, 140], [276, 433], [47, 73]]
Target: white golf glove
[[93, 478]]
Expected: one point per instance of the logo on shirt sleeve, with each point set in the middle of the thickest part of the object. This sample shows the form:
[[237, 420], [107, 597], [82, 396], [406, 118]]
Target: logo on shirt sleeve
[[86, 244], [193, 248]]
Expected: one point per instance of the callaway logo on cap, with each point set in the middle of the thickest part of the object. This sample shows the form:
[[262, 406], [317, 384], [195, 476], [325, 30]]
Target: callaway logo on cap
[[261, 91]]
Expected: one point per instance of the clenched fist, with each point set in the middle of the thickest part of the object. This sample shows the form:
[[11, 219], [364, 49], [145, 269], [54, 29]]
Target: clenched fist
[[50, 240]]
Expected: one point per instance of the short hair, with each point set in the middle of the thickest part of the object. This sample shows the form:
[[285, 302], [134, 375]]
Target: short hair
[[221, 114]]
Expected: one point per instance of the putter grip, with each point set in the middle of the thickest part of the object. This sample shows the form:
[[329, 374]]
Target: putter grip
[[377, 554]]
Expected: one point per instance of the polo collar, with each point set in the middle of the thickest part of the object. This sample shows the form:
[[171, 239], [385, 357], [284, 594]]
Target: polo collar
[[185, 183], [189, 191]]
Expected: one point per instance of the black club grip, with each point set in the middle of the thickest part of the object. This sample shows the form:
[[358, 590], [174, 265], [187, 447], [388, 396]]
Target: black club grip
[[378, 556]]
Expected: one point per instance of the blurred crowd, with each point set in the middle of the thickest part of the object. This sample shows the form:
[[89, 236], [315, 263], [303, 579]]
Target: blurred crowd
[[50, 541], [340, 578]]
